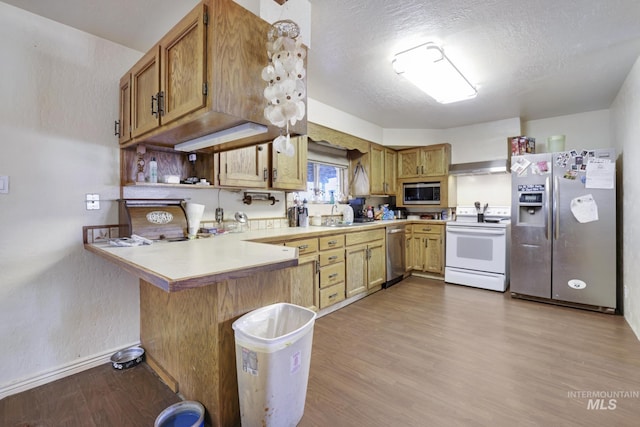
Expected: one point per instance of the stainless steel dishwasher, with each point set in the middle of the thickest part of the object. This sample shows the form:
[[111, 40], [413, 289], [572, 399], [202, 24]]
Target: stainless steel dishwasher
[[395, 254]]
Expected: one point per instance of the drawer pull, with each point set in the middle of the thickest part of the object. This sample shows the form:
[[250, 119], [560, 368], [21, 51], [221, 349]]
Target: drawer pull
[[333, 295], [333, 258], [333, 276], [303, 247], [332, 242], [426, 229]]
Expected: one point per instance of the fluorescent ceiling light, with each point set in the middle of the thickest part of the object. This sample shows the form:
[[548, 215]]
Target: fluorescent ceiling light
[[427, 67], [238, 132]]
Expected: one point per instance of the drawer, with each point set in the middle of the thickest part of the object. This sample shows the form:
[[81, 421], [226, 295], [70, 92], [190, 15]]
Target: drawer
[[331, 295], [331, 257], [364, 236], [305, 246], [331, 242], [331, 275], [427, 228]]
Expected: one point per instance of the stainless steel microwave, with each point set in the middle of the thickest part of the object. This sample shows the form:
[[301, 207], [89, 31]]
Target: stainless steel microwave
[[421, 193]]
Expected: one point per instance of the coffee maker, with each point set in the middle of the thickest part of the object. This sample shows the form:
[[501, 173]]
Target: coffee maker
[[359, 210]]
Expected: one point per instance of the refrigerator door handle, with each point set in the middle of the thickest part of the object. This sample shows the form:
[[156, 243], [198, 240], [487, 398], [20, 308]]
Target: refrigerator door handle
[[556, 209], [547, 207]]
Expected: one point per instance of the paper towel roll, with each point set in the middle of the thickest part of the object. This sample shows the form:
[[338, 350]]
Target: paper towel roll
[[194, 216]]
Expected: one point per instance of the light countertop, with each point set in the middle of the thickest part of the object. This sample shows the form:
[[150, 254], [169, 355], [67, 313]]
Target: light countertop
[[174, 266]]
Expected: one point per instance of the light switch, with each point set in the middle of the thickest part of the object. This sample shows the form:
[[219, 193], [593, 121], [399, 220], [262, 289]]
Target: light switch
[[4, 184]]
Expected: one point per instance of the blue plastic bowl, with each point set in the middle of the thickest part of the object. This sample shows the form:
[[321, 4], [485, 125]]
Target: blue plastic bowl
[[182, 414]]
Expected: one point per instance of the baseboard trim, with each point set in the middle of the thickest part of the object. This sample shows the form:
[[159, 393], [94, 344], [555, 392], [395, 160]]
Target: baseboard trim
[[60, 372]]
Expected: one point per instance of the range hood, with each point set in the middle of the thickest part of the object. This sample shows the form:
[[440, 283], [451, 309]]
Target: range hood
[[480, 168]]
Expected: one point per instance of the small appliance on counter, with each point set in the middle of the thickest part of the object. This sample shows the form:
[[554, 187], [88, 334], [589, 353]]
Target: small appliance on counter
[[360, 210], [154, 219]]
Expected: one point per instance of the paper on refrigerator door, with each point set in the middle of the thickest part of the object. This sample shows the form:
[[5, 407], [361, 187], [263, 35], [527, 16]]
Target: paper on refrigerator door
[[584, 209], [601, 173]]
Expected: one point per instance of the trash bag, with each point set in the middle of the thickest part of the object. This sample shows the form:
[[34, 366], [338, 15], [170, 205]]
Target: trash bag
[[360, 181]]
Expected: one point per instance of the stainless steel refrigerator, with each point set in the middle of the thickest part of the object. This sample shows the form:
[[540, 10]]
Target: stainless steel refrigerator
[[563, 228]]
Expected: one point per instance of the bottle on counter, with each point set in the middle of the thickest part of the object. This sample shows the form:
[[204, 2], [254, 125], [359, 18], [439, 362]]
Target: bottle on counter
[[370, 212], [153, 170]]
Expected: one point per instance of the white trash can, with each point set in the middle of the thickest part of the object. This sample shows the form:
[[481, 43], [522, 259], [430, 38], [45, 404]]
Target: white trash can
[[273, 354]]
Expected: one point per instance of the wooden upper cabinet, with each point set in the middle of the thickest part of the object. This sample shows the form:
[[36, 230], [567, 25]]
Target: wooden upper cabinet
[[123, 127], [382, 179], [432, 160], [202, 77], [376, 177], [182, 67], [245, 167], [145, 86], [168, 82], [390, 171], [290, 173]]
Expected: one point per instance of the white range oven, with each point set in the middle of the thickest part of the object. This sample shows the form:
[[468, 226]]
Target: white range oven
[[477, 253]]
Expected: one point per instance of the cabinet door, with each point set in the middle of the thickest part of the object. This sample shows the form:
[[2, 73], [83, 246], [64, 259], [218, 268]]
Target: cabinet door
[[433, 253], [183, 67], [305, 287], [290, 173], [417, 255], [356, 270], [390, 171], [408, 259], [145, 86], [376, 178], [244, 167], [376, 264], [125, 109], [435, 163], [409, 163]]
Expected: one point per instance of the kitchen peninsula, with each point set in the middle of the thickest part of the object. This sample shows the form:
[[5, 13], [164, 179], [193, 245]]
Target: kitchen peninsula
[[192, 291]]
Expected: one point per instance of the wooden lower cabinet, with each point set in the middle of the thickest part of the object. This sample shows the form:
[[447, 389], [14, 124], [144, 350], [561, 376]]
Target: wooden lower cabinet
[[366, 261], [428, 248], [305, 283], [332, 270]]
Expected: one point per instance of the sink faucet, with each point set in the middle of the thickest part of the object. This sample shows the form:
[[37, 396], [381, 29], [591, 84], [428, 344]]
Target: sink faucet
[[331, 219]]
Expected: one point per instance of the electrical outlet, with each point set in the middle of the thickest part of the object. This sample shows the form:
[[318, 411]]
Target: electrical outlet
[[93, 202]]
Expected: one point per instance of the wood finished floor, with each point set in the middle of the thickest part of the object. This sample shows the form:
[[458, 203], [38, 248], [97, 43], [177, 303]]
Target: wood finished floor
[[422, 353]]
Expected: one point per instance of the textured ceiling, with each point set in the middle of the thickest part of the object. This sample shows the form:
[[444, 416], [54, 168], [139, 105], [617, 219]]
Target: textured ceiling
[[529, 59]]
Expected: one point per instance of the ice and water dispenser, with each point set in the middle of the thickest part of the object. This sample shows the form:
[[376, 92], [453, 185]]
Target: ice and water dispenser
[[531, 204]]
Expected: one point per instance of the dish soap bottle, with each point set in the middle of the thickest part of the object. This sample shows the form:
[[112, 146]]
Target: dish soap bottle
[[153, 170]]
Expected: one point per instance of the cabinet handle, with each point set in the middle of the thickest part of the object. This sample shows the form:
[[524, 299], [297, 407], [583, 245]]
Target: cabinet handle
[[426, 243], [426, 229], [154, 105], [368, 253], [422, 168], [275, 174], [116, 128], [332, 242], [303, 247], [265, 174], [332, 258], [333, 295], [161, 103], [317, 263], [333, 276], [417, 170]]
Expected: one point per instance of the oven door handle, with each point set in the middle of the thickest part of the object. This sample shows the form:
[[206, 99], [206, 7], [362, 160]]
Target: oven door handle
[[472, 231]]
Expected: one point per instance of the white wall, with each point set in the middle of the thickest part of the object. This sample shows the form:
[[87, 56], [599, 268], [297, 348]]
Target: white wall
[[585, 130], [59, 304], [625, 126]]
